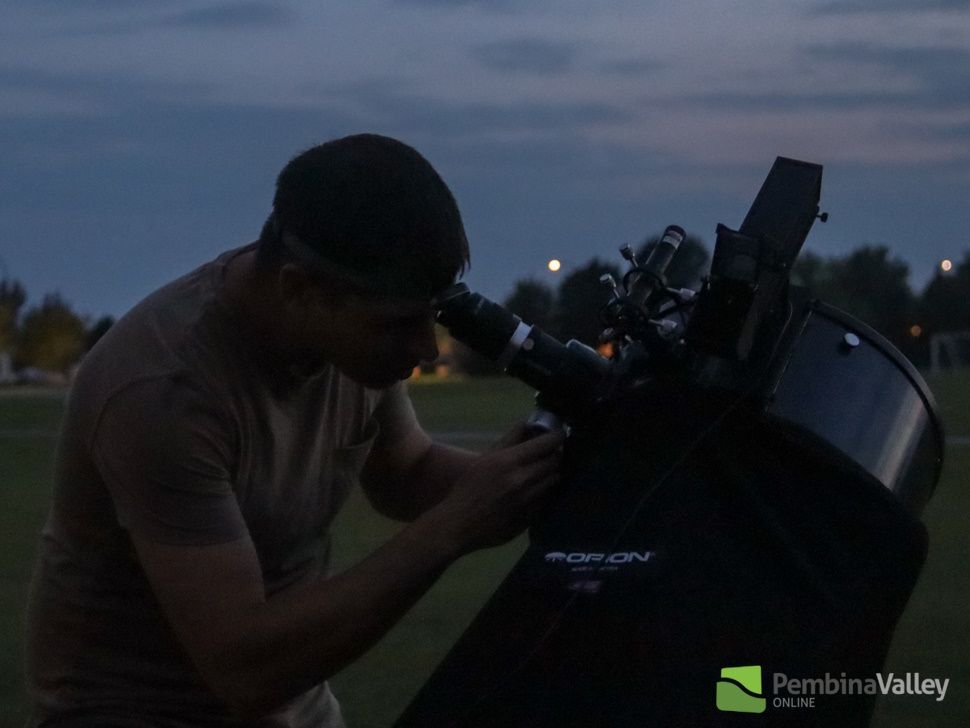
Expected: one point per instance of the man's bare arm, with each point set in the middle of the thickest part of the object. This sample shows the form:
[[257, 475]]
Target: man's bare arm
[[406, 472], [405, 494], [257, 653]]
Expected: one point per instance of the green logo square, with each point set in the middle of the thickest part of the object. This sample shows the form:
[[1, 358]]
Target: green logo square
[[739, 690]]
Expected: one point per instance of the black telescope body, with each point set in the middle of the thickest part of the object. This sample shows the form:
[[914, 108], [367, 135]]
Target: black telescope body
[[742, 484]]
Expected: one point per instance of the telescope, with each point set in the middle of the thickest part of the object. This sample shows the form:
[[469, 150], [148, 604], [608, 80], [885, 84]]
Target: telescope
[[742, 482]]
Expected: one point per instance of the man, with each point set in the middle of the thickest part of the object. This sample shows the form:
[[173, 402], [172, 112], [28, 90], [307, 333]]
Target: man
[[214, 432]]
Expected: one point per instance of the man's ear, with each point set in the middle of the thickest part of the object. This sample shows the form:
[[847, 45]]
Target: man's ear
[[296, 288], [299, 287]]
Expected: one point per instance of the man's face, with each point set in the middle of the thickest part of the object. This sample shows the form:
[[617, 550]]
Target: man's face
[[374, 341]]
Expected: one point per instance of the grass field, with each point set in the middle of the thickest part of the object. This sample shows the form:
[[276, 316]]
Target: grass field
[[933, 637]]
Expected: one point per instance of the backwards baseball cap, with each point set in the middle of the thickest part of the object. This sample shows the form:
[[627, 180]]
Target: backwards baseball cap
[[371, 211], [377, 279]]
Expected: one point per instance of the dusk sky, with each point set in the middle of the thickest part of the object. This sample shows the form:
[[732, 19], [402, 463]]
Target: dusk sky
[[139, 139]]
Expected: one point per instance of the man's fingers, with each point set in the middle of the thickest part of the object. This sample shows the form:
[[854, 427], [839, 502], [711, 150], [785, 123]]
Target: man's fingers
[[541, 468], [537, 447], [514, 436]]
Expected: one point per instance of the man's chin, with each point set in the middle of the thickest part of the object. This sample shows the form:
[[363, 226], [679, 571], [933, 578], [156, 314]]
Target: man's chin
[[401, 376], [381, 380]]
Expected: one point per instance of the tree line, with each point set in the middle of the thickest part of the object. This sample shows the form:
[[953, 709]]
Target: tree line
[[868, 282], [49, 336]]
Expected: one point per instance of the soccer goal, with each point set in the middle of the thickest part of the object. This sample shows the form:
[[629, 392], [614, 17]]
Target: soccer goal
[[949, 350], [6, 368]]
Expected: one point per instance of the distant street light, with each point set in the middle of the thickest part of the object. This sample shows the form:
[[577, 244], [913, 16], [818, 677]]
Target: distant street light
[[946, 265], [915, 331], [554, 265]]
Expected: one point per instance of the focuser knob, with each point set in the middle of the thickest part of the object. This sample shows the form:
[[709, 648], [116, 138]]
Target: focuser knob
[[665, 327], [608, 280], [682, 294]]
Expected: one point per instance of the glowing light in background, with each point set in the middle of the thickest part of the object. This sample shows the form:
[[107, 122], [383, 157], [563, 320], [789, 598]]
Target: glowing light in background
[[915, 330], [554, 265], [946, 265]]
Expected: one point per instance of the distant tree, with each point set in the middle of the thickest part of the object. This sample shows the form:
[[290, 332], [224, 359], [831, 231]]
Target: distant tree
[[12, 297], [99, 329], [809, 270], [868, 283], [534, 302], [446, 351], [945, 302], [875, 287], [581, 297], [52, 336], [689, 264], [943, 306], [470, 362]]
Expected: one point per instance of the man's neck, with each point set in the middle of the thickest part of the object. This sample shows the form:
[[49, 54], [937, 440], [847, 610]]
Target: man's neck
[[253, 303], [253, 300]]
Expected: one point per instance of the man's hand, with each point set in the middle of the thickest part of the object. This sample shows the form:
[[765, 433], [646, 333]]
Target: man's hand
[[498, 495]]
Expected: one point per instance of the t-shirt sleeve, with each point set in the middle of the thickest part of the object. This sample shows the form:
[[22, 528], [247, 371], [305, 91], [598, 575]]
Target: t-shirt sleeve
[[164, 451]]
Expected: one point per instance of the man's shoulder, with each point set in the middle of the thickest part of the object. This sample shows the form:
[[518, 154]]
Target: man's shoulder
[[166, 314], [164, 337]]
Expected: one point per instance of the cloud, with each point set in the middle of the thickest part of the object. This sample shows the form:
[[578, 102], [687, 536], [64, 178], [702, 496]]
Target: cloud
[[881, 77], [96, 87], [632, 66], [955, 131], [152, 185], [488, 4], [941, 75], [92, 17], [527, 55], [782, 101], [426, 115], [840, 7], [170, 123], [958, 132], [92, 4], [121, 100], [231, 16]]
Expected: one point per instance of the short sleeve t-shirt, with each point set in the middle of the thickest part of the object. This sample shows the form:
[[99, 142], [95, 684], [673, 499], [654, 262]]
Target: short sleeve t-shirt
[[178, 429]]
